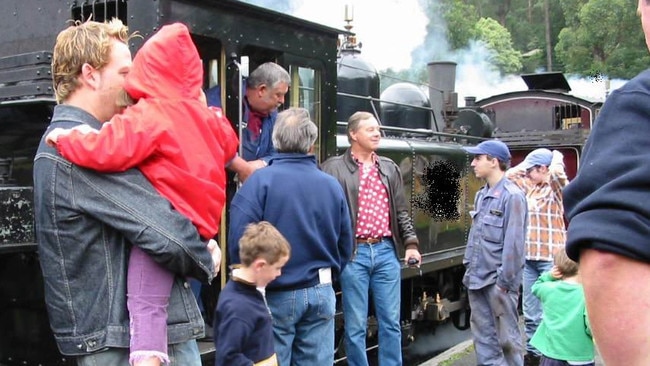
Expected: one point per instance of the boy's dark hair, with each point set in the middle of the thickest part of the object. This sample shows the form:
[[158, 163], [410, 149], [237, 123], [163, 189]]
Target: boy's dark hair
[[503, 165], [262, 240], [565, 265]]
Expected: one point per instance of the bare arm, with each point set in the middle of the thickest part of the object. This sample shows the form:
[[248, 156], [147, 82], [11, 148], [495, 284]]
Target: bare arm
[[616, 289], [244, 168]]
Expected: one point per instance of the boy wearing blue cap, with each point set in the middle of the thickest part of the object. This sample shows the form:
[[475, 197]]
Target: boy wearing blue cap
[[494, 258], [542, 178]]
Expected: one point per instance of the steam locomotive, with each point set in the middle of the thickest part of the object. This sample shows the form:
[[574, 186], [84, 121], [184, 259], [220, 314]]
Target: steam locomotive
[[423, 134]]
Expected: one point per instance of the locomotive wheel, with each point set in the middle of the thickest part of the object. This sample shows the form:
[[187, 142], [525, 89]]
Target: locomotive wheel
[[460, 318]]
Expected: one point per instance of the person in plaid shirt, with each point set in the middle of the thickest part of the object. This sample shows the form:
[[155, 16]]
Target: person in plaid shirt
[[542, 177]]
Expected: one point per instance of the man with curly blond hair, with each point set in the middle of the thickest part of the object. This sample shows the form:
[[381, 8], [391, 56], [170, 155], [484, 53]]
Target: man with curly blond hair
[[87, 221]]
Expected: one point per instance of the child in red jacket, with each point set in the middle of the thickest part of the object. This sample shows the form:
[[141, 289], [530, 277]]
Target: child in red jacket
[[180, 145]]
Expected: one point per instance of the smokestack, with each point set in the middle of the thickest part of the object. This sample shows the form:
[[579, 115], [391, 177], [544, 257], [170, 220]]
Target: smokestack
[[442, 81]]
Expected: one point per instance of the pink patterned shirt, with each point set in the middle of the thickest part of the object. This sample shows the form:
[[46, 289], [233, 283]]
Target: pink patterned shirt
[[373, 217]]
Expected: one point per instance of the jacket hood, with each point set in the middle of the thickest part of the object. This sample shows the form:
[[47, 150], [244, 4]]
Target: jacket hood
[[167, 66]]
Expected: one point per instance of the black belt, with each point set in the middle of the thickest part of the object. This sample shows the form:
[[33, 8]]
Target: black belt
[[369, 240]]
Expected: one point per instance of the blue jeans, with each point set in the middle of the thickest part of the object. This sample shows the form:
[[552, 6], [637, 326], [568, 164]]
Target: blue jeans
[[303, 325], [374, 268], [495, 328], [532, 305], [181, 354]]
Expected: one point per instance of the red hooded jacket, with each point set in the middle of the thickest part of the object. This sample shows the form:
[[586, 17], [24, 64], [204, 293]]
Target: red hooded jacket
[[177, 142]]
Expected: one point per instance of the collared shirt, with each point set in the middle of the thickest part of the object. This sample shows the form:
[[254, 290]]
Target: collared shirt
[[546, 229], [254, 123], [495, 246], [373, 217]]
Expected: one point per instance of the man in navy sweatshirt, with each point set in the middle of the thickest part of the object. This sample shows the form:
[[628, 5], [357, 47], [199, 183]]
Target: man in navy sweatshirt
[[309, 208], [609, 220]]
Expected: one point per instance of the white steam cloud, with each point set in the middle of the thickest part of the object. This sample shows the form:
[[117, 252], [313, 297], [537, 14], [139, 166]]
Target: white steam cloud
[[397, 34]]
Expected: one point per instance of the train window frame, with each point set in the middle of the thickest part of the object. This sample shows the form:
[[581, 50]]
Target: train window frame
[[567, 116], [305, 92], [101, 11]]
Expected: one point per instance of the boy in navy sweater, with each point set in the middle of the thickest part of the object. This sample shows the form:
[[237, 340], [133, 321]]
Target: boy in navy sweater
[[242, 323]]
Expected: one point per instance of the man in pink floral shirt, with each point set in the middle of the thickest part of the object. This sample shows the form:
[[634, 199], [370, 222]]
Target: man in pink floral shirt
[[384, 230]]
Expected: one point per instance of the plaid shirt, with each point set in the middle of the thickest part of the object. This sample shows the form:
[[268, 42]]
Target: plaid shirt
[[546, 232]]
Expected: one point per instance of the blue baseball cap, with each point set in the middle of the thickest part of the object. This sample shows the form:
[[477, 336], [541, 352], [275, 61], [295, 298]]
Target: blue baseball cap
[[494, 148], [537, 157]]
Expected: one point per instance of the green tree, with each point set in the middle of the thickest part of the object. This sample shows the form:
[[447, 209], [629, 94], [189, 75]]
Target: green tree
[[460, 18], [499, 42], [526, 23], [416, 75], [602, 37]]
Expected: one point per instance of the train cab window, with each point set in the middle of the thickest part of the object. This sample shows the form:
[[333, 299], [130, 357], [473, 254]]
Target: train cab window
[[101, 11], [213, 73], [211, 53], [567, 116], [305, 93], [212, 84]]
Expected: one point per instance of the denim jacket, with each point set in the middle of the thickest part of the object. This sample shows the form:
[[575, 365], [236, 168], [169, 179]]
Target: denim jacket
[[85, 222], [344, 169]]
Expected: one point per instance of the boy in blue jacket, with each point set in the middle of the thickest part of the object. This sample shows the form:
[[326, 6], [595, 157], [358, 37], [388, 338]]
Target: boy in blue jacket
[[242, 322]]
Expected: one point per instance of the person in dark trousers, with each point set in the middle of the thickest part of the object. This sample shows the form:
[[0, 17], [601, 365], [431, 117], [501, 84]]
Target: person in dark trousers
[[383, 229], [86, 222], [242, 321], [494, 258], [302, 299], [609, 220]]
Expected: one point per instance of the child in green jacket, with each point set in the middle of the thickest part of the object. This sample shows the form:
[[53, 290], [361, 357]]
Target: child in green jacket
[[563, 337]]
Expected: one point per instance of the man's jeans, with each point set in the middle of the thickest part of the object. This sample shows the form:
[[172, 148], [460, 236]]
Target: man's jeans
[[495, 328], [182, 354], [375, 267], [303, 325], [532, 305]]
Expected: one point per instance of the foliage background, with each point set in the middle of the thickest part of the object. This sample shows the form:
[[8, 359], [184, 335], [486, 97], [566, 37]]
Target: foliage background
[[585, 38]]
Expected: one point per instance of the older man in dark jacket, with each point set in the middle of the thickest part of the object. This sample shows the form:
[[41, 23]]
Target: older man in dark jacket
[[302, 300], [383, 229]]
